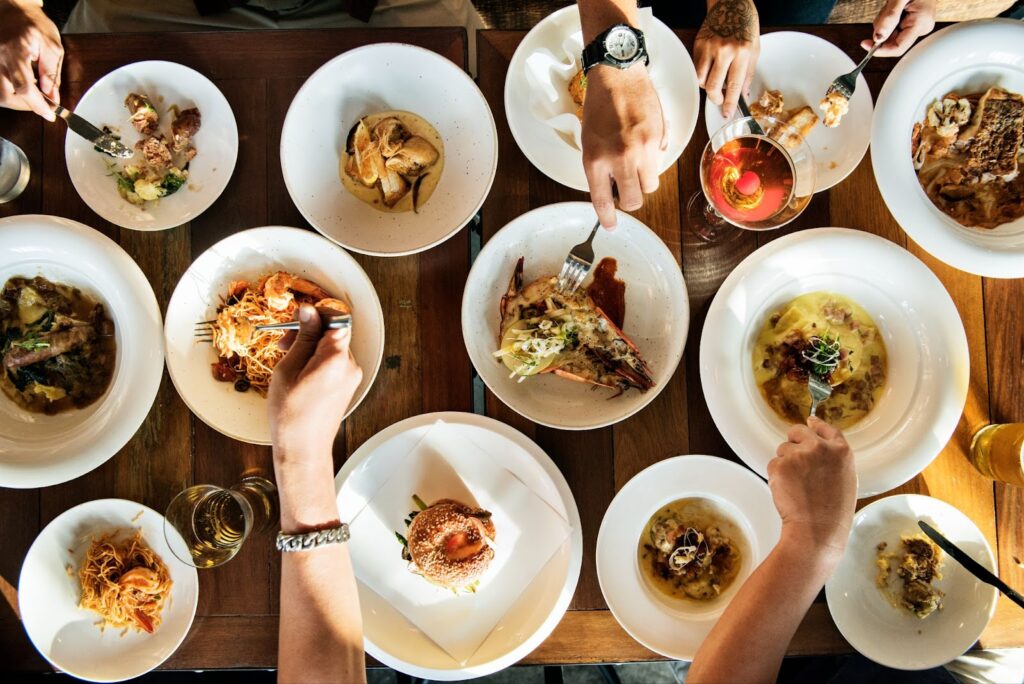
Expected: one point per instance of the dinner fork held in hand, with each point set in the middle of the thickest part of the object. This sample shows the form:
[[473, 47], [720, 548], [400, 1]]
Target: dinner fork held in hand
[[820, 391], [577, 264], [847, 83], [203, 331]]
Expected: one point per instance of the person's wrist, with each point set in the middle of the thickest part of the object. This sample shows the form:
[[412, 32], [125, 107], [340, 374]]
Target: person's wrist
[[816, 546]]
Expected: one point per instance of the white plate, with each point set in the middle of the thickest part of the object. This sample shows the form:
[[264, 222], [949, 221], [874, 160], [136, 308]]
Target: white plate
[[246, 256], [924, 337], [970, 56], [892, 636], [392, 639], [166, 83], [802, 67], [66, 635], [38, 450], [671, 70], [677, 632], [375, 78], [657, 311]]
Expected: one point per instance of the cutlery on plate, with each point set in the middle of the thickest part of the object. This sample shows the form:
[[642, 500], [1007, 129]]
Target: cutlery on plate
[[755, 127], [847, 83], [104, 142], [577, 264], [204, 329], [823, 356], [972, 566], [820, 391]]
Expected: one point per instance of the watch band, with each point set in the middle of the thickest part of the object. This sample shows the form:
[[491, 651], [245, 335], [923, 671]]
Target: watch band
[[312, 540], [595, 54]]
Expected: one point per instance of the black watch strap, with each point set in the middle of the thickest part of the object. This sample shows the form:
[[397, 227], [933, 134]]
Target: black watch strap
[[594, 53]]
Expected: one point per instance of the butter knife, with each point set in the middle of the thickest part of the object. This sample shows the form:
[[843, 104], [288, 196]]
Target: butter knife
[[755, 127], [104, 142], [972, 566]]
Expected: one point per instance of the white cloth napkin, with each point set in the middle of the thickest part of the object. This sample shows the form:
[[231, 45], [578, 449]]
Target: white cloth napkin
[[445, 464]]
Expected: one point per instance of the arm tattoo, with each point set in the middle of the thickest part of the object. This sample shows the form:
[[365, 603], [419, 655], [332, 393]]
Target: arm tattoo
[[733, 19]]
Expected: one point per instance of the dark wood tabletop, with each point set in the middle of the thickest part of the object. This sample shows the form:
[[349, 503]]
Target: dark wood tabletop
[[259, 73]]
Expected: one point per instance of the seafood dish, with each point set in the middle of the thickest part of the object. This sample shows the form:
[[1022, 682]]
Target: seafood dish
[[578, 337], [967, 154], [57, 344], [160, 165], [392, 161], [125, 582], [913, 568], [690, 550], [449, 543], [245, 356], [834, 106], [578, 92], [832, 337]]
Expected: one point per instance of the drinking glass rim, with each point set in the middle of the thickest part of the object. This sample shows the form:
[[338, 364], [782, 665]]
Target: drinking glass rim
[[243, 502]]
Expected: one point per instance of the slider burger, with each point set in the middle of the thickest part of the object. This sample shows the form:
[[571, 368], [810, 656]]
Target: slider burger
[[449, 543]]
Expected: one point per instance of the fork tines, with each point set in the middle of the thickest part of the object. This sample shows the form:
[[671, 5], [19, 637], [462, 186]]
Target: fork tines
[[203, 331], [573, 272], [839, 85]]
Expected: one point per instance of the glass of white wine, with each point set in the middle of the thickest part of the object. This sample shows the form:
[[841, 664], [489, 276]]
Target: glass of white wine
[[214, 522]]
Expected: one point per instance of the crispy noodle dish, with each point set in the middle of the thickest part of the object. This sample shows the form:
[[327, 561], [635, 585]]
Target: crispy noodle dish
[[905, 576], [246, 357], [967, 154], [577, 337], [125, 582], [830, 336], [448, 543], [57, 344], [690, 550]]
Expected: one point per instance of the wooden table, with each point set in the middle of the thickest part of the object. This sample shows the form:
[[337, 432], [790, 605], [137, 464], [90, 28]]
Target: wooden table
[[236, 624]]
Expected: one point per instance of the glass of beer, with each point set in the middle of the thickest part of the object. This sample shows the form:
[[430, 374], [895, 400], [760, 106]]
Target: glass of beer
[[997, 451], [214, 522]]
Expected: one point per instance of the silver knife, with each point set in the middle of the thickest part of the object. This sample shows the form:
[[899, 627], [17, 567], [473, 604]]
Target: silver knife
[[972, 566], [755, 127], [106, 143]]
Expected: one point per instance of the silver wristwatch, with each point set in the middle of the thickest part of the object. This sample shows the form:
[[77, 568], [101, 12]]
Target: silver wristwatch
[[312, 540]]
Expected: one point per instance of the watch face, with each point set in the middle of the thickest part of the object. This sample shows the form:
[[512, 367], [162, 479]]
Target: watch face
[[622, 44]]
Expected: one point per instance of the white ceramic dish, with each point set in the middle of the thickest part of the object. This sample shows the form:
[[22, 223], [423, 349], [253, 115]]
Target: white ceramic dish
[[892, 636], [38, 450], [657, 311], [166, 83], [968, 57], [802, 67], [677, 630], [924, 337], [68, 636], [246, 256], [392, 639], [388, 76], [554, 153]]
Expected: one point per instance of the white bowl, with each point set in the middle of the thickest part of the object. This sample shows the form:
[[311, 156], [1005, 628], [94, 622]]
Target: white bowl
[[892, 636], [802, 66], [37, 450], [970, 56], [671, 70], [657, 311], [166, 83], [68, 636], [924, 337], [389, 636], [246, 256], [677, 631], [375, 78]]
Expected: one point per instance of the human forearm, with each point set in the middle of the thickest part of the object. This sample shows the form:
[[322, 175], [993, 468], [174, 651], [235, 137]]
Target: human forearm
[[598, 15]]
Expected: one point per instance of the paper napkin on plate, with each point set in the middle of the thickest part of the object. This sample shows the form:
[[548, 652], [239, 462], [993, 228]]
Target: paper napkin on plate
[[528, 531]]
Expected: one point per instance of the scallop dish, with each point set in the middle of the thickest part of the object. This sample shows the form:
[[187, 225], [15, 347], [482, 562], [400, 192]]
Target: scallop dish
[[57, 344]]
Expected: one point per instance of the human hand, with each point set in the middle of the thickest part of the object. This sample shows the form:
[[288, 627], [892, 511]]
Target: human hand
[[726, 50], [27, 36], [899, 36], [814, 486], [623, 135]]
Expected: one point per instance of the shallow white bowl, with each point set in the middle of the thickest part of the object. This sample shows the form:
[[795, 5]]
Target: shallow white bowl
[[924, 337], [375, 78], [970, 56], [66, 635], [802, 67], [166, 83], [677, 631], [671, 70], [657, 311], [389, 636], [37, 450], [892, 636], [246, 256]]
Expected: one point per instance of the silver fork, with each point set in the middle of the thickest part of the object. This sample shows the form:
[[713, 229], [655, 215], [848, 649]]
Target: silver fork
[[820, 391], [847, 83], [577, 264], [203, 331]]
